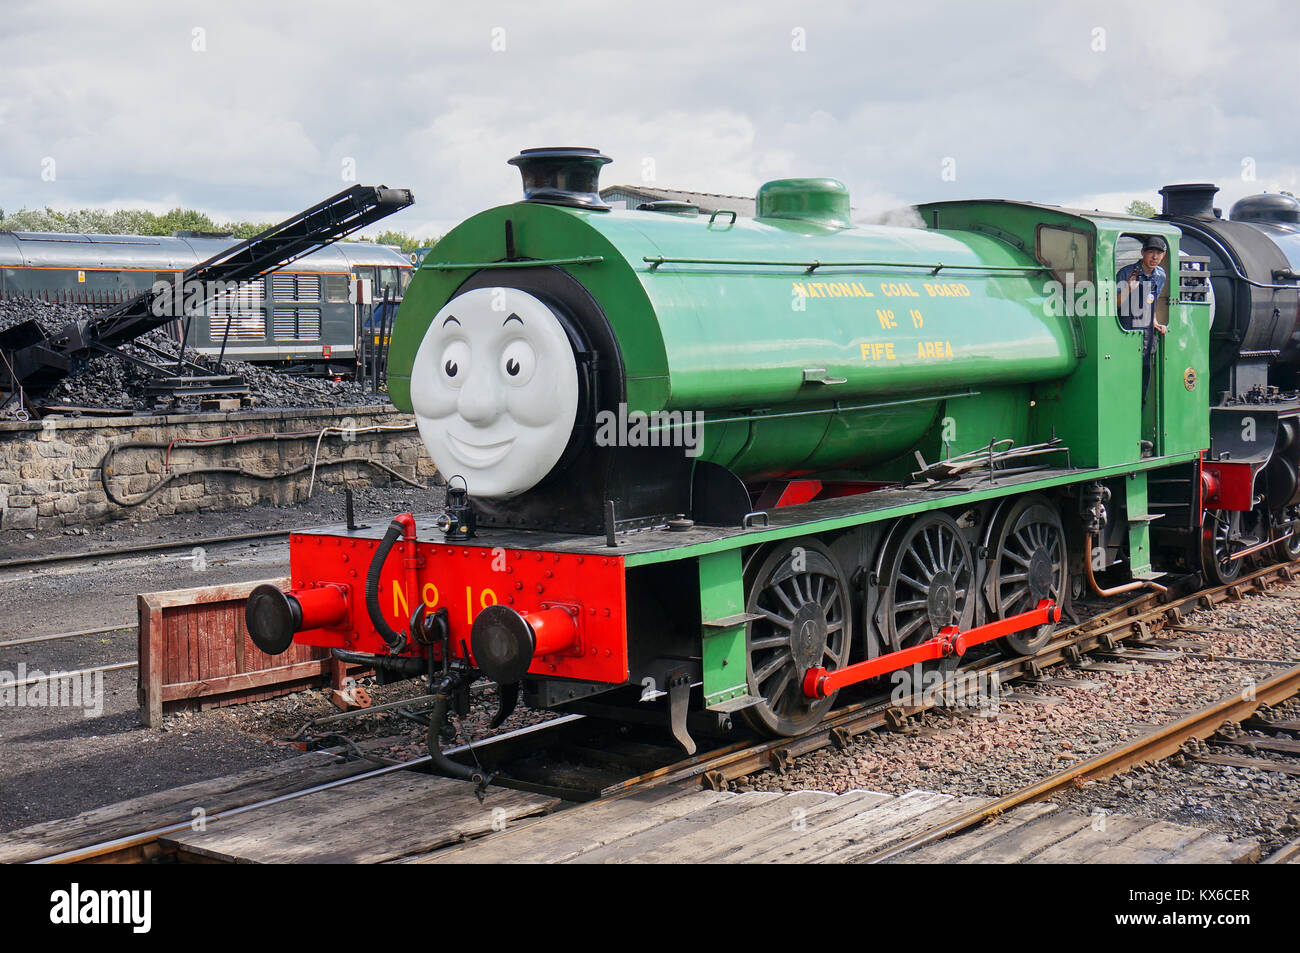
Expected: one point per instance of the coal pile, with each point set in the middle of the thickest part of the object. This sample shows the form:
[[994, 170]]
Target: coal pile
[[111, 383], [49, 315]]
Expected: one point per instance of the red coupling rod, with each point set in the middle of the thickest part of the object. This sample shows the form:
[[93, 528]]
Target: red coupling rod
[[818, 683]]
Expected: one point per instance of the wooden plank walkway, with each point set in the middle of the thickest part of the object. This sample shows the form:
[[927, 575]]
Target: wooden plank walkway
[[405, 817], [175, 806], [686, 825], [1286, 854], [1043, 833], [373, 820]]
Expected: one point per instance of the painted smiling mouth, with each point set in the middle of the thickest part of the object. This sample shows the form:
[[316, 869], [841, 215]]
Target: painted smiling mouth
[[480, 455]]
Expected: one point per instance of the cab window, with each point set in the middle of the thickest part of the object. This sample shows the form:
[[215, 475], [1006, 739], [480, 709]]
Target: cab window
[[1128, 251], [1067, 251], [388, 283]]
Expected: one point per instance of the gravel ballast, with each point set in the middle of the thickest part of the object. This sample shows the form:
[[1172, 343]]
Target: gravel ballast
[[1043, 726]]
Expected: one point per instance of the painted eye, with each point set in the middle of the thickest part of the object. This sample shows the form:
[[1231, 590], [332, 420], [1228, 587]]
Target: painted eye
[[518, 362], [455, 362]]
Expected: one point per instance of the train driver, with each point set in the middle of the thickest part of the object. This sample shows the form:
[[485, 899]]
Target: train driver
[[1138, 289]]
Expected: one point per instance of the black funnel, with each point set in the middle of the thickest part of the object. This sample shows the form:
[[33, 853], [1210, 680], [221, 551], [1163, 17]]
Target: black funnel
[[1192, 200], [562, 176]]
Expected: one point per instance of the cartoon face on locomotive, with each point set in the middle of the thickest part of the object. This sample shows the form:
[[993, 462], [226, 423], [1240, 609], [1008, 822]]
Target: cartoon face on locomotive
[[721, 469]]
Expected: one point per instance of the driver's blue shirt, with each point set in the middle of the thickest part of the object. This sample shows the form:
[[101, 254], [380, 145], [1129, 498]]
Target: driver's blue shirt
[[1137, 306]]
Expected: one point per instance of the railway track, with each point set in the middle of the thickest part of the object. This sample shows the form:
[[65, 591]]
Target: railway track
[[548, 758], [135, 848], [137, 549], [1159, 744], [1130, 622], [142, 846], [79, 633]]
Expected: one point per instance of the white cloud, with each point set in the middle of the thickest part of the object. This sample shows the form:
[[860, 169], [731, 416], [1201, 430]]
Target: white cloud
[[1015, 93]]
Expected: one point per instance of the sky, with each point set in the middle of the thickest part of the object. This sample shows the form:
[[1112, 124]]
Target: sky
[[254, 110]]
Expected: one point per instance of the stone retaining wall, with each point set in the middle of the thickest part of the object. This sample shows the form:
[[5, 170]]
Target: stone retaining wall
[[50, 470]]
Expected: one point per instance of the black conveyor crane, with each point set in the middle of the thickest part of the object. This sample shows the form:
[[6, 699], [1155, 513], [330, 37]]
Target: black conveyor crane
[[32, 362]]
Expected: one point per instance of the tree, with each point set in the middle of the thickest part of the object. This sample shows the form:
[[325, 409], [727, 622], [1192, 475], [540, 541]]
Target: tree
[[243, 230], [98, 221], [183, 220], [407, 243], [1141, 209]]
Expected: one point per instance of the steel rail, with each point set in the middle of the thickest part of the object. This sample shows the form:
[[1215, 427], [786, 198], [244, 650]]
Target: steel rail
[[107, 630], [121, 844], [140, 548], [1161, 743], [60, 676], [1070, 644], [128, 842], [738, 759], [742, 758]]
